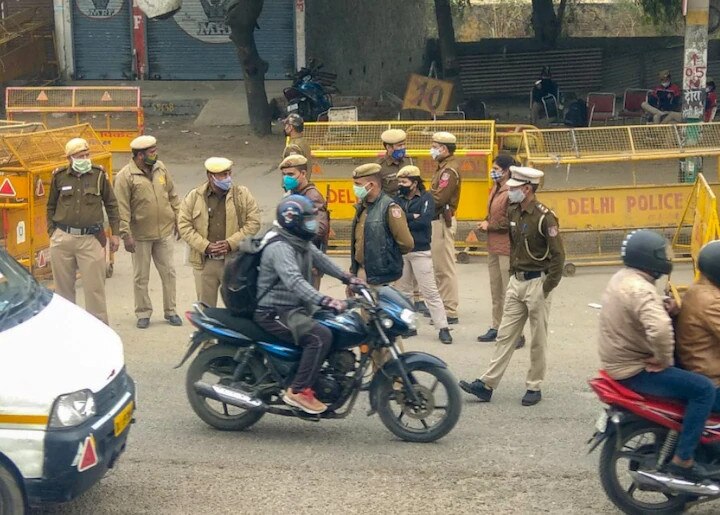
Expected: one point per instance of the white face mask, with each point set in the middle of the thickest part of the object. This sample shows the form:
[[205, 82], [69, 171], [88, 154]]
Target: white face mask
[[435, 153], [81, 166], [665, 84], [516, 196]]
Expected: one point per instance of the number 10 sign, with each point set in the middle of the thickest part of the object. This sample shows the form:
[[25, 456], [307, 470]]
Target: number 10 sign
[[427, 94]]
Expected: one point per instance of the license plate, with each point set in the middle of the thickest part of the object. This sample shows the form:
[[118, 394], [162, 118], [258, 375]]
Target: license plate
[[601, 424], [292, 107], [123, 418]]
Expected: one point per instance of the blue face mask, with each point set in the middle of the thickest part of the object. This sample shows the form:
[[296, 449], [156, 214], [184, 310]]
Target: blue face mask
[[311, 225], [223, 184], [290, 183], [398, 154], [496, 175]]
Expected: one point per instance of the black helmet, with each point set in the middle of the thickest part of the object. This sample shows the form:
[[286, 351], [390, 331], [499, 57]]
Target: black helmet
[[296, 214], [646, 251], [709, 262]]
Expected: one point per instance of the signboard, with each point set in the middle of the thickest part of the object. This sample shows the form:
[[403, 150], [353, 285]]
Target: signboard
[[427, 94], [100, 8]]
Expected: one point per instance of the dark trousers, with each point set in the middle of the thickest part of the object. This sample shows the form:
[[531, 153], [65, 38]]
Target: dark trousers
[[675, 383], [315, 342]]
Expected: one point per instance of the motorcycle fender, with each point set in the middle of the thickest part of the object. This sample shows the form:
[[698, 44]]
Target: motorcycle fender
[[410, 360], [197, 338]]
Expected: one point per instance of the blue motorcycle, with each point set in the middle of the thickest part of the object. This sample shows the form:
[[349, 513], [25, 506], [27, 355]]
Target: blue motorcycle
[[241, 372], [309, 95]]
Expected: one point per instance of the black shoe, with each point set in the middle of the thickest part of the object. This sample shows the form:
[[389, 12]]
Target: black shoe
[[520, 343], [695, 472], [173, 320], [490, 336], [531, 398], [411, 333], [453, 320], [444, 336], [478, 389], [420, 307], [143, 323]]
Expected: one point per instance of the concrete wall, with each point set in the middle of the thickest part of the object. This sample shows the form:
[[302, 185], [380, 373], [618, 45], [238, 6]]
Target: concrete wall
[[372, 45]]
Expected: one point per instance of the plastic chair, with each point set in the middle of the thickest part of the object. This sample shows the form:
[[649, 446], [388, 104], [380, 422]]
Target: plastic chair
[[601, 106], [632, 103]]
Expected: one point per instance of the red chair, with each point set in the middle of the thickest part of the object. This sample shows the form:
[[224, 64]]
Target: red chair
[[601, 107], [632, 103]]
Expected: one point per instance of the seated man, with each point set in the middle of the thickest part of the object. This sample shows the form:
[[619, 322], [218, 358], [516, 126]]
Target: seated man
[[287, 300], [636, 344], [663, 103], [544, 86], [698, 326]]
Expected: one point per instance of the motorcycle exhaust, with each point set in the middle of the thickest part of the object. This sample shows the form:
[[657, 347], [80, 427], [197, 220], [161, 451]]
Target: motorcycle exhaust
[[231, 396], [663, 482]]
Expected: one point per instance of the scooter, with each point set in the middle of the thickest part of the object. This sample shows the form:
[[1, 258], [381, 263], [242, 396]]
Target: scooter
[[309, 95]]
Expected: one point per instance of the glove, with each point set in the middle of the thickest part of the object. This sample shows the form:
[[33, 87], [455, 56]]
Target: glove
[[354, 280], [336, 305]]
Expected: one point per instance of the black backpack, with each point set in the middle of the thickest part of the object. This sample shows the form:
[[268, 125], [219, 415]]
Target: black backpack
[[240, 275], [577, 115]]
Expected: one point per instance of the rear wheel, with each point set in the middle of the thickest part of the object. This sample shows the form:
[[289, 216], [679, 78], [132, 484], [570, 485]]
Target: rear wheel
[[12, 500], [216, 365]]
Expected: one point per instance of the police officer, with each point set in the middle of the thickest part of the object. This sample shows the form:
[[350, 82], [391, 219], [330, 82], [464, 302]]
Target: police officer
[[75, 204], [380, 234], [445, 189], [394, 159], [536, 262], [293, 126], [148, 212], [214, 218]]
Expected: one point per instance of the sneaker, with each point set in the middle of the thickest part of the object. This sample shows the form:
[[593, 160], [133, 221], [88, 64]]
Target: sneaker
[[490, 336], [173, 320], [531, 397], [420, 307], [453, 320], [520, 343], [305, 400], [444, 336], [695, 472], [143, 323], [477, 388]]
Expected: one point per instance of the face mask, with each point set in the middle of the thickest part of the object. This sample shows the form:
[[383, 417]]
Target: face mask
[[150, 160], [311, 225], [404, 190], [360, 191], [398, 154], [516, 196], [435, 153], [223, 184], [81, 166], [290, 183], [708, 89], [496, 175], [665, 84]]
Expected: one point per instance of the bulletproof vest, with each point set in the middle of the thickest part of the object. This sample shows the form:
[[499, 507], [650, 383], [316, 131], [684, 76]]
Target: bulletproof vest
[[383, 259]]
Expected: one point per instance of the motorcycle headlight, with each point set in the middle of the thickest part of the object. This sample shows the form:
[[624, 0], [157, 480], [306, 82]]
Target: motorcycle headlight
[[73, 409], [386, 323], [409, 317]]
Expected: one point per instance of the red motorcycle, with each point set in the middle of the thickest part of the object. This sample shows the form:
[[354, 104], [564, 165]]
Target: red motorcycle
[[640, 433]]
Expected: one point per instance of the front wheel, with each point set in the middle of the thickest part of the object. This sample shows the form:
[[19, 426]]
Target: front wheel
[[436, 414], [12, 500]]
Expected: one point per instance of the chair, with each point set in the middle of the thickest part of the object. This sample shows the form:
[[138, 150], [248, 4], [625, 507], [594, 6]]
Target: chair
[[632, 103], [601, 107], [553, 110]]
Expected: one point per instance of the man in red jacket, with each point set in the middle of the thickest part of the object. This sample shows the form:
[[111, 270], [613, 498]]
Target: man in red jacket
[[663, 103]]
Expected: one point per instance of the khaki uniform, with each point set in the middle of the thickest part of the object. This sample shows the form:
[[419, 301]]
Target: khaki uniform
[[536, 248], [206, 218], [389, 171], [498, 249], [304, 146], [148, 209], [445, 189], [74, 215]]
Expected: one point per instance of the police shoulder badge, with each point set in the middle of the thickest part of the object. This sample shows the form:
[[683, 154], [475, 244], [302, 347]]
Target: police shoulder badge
[[396, 211], [553, 231]]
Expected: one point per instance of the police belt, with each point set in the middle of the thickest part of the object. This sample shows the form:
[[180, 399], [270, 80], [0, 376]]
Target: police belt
[[80, 231], [526, 276]]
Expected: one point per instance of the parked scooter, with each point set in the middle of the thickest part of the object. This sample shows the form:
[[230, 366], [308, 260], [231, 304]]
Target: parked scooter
[[309, 95]]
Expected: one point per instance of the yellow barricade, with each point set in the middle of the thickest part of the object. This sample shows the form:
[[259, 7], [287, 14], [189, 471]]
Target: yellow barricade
[[115, 113], [26, 165]]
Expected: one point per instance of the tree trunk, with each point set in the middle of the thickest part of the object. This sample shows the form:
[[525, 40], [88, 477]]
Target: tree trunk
[[547, 25], [448, 54], [241, 17]]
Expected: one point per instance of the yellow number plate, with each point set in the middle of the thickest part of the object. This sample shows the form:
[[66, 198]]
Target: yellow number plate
[[123, 418]]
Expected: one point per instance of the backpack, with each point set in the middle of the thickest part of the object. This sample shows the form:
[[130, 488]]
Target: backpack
[[577, 115], [238, 287]]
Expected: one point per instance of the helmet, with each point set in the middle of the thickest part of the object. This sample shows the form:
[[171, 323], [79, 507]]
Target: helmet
[[296, 214], [295, 120], [645, 250], [709, 262]]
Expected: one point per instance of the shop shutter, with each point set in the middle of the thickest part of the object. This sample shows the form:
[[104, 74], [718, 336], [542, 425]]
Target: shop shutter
[[195, 43]]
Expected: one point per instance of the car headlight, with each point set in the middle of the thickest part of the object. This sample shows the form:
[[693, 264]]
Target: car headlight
[[409, 317], [73, 409]]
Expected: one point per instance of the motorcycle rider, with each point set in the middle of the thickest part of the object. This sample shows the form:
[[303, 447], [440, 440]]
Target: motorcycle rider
[[636, 344], [287, 300], [698, 325]]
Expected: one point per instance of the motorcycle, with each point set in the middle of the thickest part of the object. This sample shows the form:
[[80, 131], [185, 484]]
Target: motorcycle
[[639, 434], [241, 372], [309, 95]]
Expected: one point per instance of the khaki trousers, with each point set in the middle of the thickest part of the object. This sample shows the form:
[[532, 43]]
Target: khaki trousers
[[70, 253], [207, 281], [499, 271], [523, 300], [657, 114], [442, 248], [419, 267], [161, 252]]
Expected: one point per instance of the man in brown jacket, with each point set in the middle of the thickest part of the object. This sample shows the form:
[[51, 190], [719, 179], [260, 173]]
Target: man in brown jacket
[[148, 207], [214, 218], [394, 159]]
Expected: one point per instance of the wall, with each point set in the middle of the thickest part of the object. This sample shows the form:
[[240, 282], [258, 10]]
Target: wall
[[372, 45]]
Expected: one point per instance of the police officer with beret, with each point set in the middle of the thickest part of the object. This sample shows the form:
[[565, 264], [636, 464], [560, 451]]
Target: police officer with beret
[[445, 189], [214, 218], [537, 258], [148, 212], [78, 193], [293, 126], [394, 159]]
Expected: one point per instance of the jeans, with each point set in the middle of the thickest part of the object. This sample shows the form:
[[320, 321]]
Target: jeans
[[674, 383]]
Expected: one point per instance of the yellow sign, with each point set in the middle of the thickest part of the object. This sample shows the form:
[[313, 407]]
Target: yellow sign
[[427, 94]]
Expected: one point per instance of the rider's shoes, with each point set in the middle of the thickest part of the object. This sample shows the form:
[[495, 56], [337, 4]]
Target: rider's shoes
[[305, 400], [695, 472], [477, 388]]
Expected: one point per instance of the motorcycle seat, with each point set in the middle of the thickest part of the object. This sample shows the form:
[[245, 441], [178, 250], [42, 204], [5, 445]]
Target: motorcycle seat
[[242, 325]]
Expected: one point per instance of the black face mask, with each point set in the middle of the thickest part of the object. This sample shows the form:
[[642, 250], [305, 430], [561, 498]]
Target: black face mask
[[404, 190]]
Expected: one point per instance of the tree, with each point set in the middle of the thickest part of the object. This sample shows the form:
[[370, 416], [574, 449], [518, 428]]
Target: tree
[[547, 23], [662, 12], [241, 17]]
